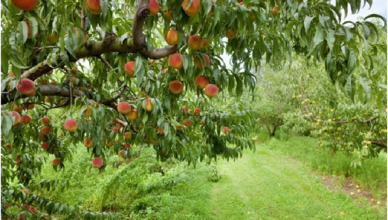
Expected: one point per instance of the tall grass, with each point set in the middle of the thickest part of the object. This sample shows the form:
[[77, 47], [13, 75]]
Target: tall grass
[[372, 174]]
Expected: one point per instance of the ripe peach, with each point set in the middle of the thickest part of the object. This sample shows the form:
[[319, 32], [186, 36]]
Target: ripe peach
[[88, 112], [8, 146], [115, 129], [205, 43], [32, 94], [193, 9], [275, 10], [94, 6], [160, 131], [29, 35], [24, 190], [25, 86], [20, 217], [187, 122], [88, 142], [197, 111], [194, 42], [42, 137], [164, 70], [26, 207], [211, 90], [57, 162], [179, 127], [46, 130], [201, 62], [26, 119], [168, 15], [11, 75], [6, 206], [130, 68], [45, 120], [172, 37], [32, 209], [29, 106], [132, 115], [124, 107], [175, 61], [97, 162], [126, 145], [176, 87], [17, 117], [148, 105], [25, 5], [201, 81], [44, 145], [79, 38], [127, 135], [226, 130], [154, 7], [70, 125], [109, 143], [230, 34], [18, 108], [185, 109], [122, 153]]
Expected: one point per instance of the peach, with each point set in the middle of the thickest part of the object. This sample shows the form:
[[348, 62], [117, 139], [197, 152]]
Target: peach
[[179, 127], [88, 142], [29, 35], [127, 135], [6, 206], [11, 75], [154, 7], [32, 94], [124, 107], [25, 5], [88, 112], [24, 190], [226, 130], [126, 145], [109, 143], [185, 109], [197, 111], [93, 6], [32, 209], [194, 42], [74, 71], [70, 125], [122, 153], [46, 130], [202, 62], [29, 106], [79, 38], [168, 15], [176, 87], [172, 37], [120, 126], [18, 108], [211, 90], [201, 81], [8, 146], [275, 10], [115, 129], [230, 34], [175, 61], [44, 145], [130, 68], [187, 122], [148, 105], [18, 161], [132, 115], [57, 162], [164, 70], [45, 120], [53, 38], [16, 117], [26, 119], [193, 9], [97, 162], [160, 131], [26, 206], [205, 43], [25, 86], [42, 137], [20, 217]]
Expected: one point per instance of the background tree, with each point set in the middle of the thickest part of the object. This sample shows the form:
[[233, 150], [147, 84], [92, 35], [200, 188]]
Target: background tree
[[127, 73]]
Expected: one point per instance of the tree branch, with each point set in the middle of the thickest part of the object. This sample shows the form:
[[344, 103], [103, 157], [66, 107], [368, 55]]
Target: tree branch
[[142, 13], [379, 143]]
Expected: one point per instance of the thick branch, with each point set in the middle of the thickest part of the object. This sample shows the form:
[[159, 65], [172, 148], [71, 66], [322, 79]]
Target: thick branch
[[379, 143], [157, 53], [49, 90], [142, 13]]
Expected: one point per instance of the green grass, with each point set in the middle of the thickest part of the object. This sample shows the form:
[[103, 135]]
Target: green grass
[[274, 182]]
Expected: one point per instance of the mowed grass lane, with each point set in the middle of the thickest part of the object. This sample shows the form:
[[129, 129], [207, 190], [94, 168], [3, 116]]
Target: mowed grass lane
[[266, 185]]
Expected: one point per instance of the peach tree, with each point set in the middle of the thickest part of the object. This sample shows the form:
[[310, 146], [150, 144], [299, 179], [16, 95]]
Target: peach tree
[[145, 73]]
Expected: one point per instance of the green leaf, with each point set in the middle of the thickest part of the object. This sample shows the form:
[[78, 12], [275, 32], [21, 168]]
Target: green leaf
[[139, 70], [307, 22]]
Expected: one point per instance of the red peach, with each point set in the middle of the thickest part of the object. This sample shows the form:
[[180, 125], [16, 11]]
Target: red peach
[[193, 9], [185, 109], [44, 145], [127, 135], [46, 130], [211, 90], [154, 7], [122, 153], [187, 123], [29, 35], [168, 15], [57, 162], [45, 120], [132, 115], [94, 6], [70, 125], [202, 62], [97, 162], [8, 146], [88, 142], [17, 117], [226, 130], [18, 108], [130, 68], [115, 129], [11, 75], [148, 105], [176, 87], [25, 86], [124, 107], [160, 131], [126, 145], [201, 81], [230, 34], [194, 42], [175, 61], [172, 37], [26, 119], [197, 111], [25, 5]]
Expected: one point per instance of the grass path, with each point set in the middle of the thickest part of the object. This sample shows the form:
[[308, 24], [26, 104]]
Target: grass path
[[266, 185]]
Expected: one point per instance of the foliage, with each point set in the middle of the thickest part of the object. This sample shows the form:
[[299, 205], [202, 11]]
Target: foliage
[[78, 61]]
